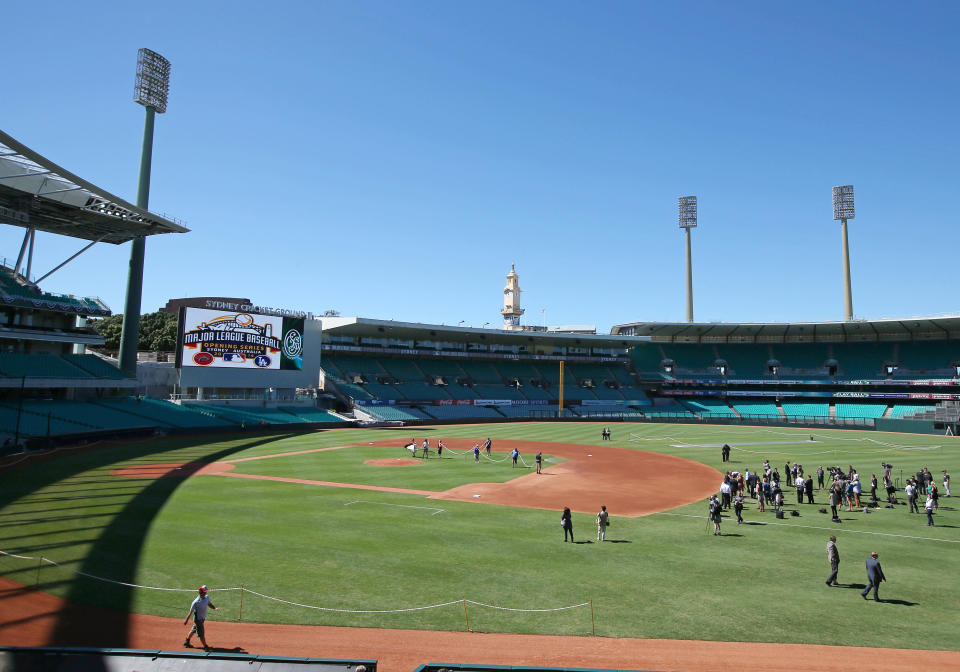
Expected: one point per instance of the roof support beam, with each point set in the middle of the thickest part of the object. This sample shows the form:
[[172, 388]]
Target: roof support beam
[[23, 250], [68, 260]]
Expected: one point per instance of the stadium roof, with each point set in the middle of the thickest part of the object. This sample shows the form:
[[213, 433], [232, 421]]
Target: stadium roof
[[37, 193], [369, 328], [915, 328]]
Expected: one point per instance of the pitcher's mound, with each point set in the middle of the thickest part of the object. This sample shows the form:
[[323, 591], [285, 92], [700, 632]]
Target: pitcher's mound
[[393, 462]]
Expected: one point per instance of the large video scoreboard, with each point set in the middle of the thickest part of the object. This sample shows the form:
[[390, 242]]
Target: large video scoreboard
[[240, 341]]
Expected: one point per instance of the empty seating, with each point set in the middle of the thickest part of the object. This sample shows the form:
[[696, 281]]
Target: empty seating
[[756, 409], [847, 410], [95, 366], [18, 364], [455, 412], [716, 407], [795, 409]]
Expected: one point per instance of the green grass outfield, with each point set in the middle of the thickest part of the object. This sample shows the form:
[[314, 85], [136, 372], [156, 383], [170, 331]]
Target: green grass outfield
[[359, 550]]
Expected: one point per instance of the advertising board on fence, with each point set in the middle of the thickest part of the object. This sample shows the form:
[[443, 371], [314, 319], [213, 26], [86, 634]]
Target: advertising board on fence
[[218, 339]]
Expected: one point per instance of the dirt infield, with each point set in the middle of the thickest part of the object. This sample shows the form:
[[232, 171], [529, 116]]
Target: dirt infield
[[629, 482], [29, 618], [394, 462]]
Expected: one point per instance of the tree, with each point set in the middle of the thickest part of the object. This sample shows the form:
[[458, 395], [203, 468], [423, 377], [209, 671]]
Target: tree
[[158, 332], [110, 328]]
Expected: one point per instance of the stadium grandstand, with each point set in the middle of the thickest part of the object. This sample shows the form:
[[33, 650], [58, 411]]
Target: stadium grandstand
[[899, 375]]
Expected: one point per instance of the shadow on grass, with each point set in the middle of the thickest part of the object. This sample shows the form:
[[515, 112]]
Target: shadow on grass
[[583, 542], [618, 541], [729, 534], [126, 530], [903, 603]]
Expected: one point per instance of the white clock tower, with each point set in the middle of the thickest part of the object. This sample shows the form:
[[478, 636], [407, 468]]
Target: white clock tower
[[511, 302]]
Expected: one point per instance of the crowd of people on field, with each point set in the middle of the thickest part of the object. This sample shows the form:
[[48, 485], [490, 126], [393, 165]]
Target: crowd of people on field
[[845, 488]]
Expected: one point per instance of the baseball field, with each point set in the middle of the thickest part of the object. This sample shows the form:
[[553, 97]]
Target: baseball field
[[345, 528]]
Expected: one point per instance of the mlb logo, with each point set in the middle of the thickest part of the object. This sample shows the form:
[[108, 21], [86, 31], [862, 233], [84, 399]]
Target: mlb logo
[[234, 357]]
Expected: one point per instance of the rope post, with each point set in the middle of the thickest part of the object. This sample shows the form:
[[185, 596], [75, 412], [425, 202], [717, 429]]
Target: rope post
[[593, 622], [39, 565], [465, 617], [241, 604]]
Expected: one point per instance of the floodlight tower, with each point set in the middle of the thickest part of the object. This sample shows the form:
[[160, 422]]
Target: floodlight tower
[[843, 210], [688, 220], [151, 90]]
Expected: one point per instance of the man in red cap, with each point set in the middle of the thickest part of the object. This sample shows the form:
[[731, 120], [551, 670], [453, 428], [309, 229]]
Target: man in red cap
[[199, 610]]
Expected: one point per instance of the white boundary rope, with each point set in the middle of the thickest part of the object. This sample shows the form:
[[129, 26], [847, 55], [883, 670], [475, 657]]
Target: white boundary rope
[[493, 606], [42, 559]]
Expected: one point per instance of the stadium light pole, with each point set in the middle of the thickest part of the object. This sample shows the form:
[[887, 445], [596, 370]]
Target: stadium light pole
[[151, 90], [687, 206], [843, 210]]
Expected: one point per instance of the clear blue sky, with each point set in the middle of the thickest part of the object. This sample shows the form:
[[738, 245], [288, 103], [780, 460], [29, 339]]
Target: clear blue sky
[[392, 159]]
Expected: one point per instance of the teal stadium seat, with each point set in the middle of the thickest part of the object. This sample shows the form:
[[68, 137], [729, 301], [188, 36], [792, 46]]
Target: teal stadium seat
[[847, 410]]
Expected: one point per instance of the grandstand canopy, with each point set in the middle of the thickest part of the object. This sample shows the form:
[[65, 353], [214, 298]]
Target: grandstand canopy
[[369, 328], [37, 193], [918, 328]]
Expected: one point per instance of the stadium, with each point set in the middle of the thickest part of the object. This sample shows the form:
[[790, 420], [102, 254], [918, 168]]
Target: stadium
[[371, 494]]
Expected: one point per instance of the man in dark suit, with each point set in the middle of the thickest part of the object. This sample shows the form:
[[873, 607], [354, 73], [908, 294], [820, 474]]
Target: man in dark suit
[[874, 577]]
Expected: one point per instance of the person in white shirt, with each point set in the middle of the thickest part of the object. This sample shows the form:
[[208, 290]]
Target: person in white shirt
[[198, 609], [911, 491], [929, 509], [801, 485], [725, 491]]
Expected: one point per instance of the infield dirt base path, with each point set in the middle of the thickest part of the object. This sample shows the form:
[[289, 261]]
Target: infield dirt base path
[[29, 618]]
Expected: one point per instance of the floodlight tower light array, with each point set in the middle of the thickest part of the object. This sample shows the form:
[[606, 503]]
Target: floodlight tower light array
[[687, 211], [843, 202], [152, 85], [687, 207]]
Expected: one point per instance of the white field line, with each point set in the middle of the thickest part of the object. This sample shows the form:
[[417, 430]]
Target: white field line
[[402, 506], [817, 527]]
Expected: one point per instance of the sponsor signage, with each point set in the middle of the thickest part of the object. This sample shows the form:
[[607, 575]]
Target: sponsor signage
[[218, 339]]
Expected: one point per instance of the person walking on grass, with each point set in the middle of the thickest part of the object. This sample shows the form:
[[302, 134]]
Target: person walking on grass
[[515, 454], [539, 460], [198, 609], [928, 507], [874, 577], [833, 557], [476, 453]]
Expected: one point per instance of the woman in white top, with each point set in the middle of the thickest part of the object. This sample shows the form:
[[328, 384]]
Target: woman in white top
[[929, 507]]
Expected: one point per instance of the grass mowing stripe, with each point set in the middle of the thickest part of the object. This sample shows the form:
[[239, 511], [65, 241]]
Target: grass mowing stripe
[[663, 579]]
